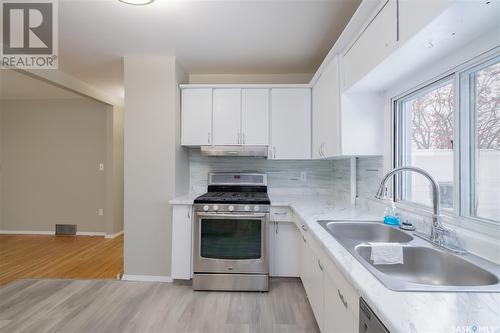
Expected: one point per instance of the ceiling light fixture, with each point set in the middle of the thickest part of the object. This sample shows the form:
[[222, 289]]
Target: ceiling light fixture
[[137, 2]]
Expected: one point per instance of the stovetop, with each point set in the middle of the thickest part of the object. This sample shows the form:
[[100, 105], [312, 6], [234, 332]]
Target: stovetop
[[235, 195], [255, 198]]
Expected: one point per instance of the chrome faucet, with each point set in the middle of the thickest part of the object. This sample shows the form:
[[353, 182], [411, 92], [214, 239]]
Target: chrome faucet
[[438, 231]]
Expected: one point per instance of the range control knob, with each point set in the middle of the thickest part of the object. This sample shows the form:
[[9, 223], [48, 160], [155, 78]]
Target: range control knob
[[256, 208], [216, 207], [230, 208], [205, 208], [247, 208]]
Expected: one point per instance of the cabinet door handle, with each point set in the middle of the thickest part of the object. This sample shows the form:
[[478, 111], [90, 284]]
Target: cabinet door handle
[[243, 138], [319, 264], [274, 152], [238, 136], [304, 239], [280, 213], [209, 137], [323, 150], [189, 213], [344, 302], [304, 227]]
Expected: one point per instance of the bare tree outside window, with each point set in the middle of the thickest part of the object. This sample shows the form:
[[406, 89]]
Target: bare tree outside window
[[487, 86], [431, 121], [487, 142]]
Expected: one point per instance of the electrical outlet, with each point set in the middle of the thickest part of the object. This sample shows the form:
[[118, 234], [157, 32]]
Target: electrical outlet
[[101, 212], [101, 166], [303, 176]]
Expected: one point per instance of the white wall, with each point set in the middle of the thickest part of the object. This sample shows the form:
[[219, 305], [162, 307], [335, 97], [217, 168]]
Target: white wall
[[155, 167], [117, 186], [1, 167], [114, 170], [51, 150]]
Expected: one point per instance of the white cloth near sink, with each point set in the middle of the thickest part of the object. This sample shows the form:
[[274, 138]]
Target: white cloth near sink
[[386, 253]]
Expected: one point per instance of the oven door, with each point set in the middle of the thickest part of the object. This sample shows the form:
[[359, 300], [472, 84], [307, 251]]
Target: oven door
[[230, 243]]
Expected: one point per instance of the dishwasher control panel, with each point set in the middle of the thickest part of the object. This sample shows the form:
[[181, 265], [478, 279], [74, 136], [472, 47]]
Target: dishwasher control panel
[[368, 321]]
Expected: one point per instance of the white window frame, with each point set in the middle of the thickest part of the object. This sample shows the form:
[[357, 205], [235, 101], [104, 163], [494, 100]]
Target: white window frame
[[462, 148], [401, 132], [467, 149]]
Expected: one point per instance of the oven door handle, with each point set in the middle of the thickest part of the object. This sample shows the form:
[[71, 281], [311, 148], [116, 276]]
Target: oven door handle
[[231, 215]]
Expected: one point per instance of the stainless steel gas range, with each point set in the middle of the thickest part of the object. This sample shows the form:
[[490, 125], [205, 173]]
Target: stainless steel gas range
[[230, 233]]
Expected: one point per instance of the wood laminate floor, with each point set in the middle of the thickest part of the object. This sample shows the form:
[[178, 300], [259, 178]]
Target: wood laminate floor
[[117, 306], [82, 257]]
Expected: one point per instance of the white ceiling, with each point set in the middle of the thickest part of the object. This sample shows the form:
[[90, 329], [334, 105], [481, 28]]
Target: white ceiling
[[211, 36], [15, 85]]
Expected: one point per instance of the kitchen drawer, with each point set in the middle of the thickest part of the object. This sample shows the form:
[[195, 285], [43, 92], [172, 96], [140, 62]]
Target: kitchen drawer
[[281, 214]]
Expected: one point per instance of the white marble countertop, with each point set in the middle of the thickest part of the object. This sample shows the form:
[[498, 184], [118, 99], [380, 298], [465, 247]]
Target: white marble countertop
[[400, 311], [187, 199]]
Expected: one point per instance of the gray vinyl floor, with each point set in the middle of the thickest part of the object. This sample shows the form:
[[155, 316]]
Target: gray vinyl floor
[[119, 306]]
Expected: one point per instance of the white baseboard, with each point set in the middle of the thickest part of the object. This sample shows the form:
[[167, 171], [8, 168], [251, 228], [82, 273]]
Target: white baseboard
[[147, 278], [114, 235], [90, 233], [26, 232]]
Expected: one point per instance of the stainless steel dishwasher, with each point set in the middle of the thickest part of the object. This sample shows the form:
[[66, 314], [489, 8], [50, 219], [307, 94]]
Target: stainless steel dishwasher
[[368, 321]]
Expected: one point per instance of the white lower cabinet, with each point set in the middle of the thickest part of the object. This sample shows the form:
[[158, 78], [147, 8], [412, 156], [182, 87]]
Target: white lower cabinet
[[182, 242], [338, 317], [284, 242], [315, 283], [333, 300]]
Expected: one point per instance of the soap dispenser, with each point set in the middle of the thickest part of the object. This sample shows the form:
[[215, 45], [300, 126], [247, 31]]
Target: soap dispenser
[[391, 216]]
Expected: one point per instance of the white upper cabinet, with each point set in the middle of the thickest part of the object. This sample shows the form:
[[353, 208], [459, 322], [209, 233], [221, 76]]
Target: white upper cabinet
[[290, 123], [326, 112], [227, 116], [344, 125], [255, 117], [196, 117], [376, 42]]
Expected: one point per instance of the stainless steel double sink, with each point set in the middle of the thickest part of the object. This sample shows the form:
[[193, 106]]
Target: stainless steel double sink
[[425, 267]]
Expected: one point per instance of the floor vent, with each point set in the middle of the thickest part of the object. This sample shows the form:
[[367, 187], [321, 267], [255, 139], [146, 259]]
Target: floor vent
[[66, 229]]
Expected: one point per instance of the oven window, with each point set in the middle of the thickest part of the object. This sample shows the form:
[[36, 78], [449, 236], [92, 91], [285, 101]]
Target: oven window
[[231, 239]]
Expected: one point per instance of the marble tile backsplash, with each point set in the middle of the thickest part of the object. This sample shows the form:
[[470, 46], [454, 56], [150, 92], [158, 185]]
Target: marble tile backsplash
[[284, 177], [369, 173]]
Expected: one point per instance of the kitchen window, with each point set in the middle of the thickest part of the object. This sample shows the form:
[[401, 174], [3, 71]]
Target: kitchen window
[[451, 128]]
